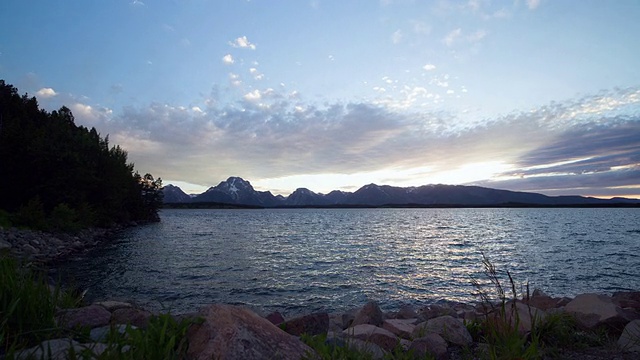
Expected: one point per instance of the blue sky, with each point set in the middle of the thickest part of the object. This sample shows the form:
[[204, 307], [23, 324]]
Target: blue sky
[[533, 95]]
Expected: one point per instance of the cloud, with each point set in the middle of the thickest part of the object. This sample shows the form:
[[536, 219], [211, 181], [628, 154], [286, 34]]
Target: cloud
[[591, 142], [477, 36], [234, 79], [396, 37], [46, 93], [533, 4], [256, 74], [429, 67], [228, 59], [243, 43], [420, 27], [253, 96], [89, 115], [452, 37]]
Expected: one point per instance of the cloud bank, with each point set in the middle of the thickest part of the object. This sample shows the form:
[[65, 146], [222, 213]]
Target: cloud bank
[[591, 143]]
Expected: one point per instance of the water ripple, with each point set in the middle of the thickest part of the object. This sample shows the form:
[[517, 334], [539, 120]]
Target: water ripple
[[301, 260]]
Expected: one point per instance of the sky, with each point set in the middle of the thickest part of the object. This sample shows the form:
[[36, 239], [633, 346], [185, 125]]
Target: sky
[[526, 95]]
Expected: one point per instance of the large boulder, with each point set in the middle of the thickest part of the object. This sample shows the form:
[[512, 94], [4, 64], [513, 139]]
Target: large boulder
[[371, 333], [593, 310], [522, 315], [85, 317], [630, 338], [400, 327], [234, 332], [312, 324], [627, 299], [131, 316], [450, 328], [430, 344], [370, 314]]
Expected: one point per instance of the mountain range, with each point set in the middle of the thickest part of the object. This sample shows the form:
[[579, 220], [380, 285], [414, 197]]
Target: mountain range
[[237, 191]]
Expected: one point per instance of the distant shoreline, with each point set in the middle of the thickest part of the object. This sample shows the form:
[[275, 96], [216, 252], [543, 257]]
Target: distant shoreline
[[214, 205]]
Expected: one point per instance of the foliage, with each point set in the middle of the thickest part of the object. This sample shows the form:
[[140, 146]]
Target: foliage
[[27, 304], [55, 164], [163, 338], [500, 327]]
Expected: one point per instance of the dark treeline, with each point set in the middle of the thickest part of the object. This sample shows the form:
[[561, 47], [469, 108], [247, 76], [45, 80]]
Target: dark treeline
[[55, 175]]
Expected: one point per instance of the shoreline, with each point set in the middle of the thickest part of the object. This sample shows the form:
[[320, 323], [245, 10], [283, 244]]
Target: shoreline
[[48, 248], [378, 332]]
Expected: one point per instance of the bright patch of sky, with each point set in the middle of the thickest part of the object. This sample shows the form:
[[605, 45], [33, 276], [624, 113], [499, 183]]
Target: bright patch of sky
[[528, 95]]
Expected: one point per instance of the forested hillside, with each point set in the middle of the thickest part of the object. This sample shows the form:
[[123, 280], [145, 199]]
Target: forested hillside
[[55, 175]]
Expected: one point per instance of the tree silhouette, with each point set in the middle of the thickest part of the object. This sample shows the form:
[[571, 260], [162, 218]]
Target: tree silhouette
[[46, 159]]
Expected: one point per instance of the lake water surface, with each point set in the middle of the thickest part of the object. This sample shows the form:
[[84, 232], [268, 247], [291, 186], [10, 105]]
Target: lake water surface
[[303, 260]]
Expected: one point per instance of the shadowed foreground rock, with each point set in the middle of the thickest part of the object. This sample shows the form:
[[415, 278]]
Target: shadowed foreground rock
[[233, 332]]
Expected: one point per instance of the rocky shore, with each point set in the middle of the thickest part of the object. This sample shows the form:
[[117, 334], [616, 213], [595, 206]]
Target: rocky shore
[[439, 330], [48, 248], [443, 330]]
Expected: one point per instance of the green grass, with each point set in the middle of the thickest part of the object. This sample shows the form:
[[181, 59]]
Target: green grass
[[27, 305]]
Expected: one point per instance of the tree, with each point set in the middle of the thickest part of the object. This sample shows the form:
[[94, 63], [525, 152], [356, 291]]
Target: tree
[[47, 156]]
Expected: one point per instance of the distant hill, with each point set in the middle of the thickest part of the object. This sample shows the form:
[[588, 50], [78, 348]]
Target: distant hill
[[237, 191]]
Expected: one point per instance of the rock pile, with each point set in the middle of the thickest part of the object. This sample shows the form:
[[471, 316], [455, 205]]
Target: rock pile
[[43, 247], [234, 332]]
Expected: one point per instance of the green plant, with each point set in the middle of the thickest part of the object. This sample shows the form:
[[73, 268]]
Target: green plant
[[27, 304], [63, 218], [163, 338], [5, 219], [500, 328]]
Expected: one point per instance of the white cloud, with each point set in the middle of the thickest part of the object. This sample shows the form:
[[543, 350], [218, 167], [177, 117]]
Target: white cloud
[[256, 74], [477, 36], [396, 37], [253, 96], [234, 79], [452, 37], [533, 4], [429, 67], [46, 93], [242, 42], [88, 115], [420, 28], [228, 59]]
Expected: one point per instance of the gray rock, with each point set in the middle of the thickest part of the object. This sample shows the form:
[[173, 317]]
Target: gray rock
[[89, 316], [371, 333], [312, 324], [400, 327], [233, 332], [56, 349], [630, 338], [450, 328], [113, 305], [369, 314], [132, 316], [430, 344], [100, 334], [275, 317], [593, 310], [365, 347], [4, 245], [407, 311]]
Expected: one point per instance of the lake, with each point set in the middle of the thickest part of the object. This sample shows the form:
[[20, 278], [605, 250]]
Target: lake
[[304, 260]]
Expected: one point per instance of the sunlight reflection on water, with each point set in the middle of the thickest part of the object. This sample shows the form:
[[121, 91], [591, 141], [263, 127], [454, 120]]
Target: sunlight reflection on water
[[302, 260]]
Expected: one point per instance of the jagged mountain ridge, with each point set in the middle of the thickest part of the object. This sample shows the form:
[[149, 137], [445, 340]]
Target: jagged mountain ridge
[[238, 191]]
